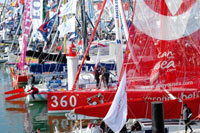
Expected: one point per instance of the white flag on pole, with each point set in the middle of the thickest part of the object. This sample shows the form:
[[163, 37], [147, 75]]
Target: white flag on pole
[[117, 114], [68, 8], [66, 27], [36, 14]]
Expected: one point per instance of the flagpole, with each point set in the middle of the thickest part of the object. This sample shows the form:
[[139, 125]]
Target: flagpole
[[84, 26]]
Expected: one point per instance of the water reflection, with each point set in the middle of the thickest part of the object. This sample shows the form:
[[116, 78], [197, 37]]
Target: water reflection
[[36, 117], [16, 116], [59, 123]]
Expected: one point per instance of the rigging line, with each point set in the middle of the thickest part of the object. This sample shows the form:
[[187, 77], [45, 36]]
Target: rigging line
[[123, 18], [54, 39], [19, 25], [190, 37], [172, 97], [130, 5], [57, 59], [89, 44], [79, 25], [36, 33], [148, 26], [199, 110], [130, 110], [146, 108], [92, 24], [30, 41], [180, 116], [141, 54], [129, 43], [48, 56], [192, 40], [184, 54], [123, 70], [3, 13]]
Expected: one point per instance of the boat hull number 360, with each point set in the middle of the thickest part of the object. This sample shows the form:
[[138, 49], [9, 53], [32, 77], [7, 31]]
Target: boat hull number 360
[[63, 101]]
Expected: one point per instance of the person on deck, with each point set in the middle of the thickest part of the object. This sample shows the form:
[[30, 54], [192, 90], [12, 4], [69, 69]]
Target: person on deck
[[187, 114], [33, 91], [32, 79], [136, 126], [104, 76], [105, 128], [97, 75], [102, 70]]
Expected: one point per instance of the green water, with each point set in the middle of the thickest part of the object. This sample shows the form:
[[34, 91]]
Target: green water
[[17, 117]]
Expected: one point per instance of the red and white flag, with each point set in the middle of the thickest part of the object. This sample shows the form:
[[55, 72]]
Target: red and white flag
[[117, 114]]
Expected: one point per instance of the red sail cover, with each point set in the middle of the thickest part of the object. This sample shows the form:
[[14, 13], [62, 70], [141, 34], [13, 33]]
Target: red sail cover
[[163, 50]]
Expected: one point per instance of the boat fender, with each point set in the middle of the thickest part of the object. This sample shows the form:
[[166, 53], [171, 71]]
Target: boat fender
[[92, 128], [94, 100], [90, 102]]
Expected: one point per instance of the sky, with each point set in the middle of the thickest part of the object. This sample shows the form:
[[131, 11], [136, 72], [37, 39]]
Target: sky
[[2, 1]]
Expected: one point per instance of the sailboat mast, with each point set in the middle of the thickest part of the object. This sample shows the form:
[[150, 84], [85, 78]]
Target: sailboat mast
[[123, 18], [2, 11], [84, 26], [65, 36]]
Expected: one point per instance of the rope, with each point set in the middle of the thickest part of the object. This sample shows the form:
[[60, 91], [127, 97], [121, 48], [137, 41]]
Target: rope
[[89, 44]]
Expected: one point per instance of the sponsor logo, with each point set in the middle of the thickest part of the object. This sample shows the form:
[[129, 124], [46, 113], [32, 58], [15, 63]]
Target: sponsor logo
[[182, 96]]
